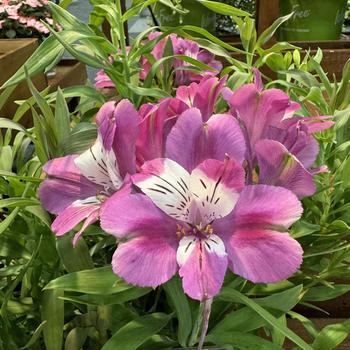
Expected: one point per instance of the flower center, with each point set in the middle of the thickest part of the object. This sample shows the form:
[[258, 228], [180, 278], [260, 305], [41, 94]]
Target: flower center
[[198, 231]]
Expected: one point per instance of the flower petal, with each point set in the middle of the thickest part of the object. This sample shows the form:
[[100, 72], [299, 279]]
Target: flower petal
[[65, 185], [203, 265], [99, 166], [266, 206], [93, 217], [215, 188], [146, 261], [118, 131], [278, 167], [74, 214], [221, 135], [156, 124], [257, 110], [167, 184], [134, 214], [263, 256]]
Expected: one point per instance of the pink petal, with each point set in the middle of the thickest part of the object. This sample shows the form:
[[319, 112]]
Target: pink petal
[[133, 215], [118, 130], [263, 256], [203, 265], [102, 80], [146, 261], [65, 185], [156, 124], [74, 214], [93, 217], [278, 167], [257, 79], [266, 206], [219, 136], [207, 94], [318, 123], [256, 110]]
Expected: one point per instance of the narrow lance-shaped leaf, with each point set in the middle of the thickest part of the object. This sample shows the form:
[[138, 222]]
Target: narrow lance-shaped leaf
[[136, 332]]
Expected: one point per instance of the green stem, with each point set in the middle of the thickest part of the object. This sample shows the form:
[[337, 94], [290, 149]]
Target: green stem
[[123, 42], [205, 322]]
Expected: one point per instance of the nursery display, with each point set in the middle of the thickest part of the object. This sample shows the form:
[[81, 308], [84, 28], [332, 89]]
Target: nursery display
[[203, 203]]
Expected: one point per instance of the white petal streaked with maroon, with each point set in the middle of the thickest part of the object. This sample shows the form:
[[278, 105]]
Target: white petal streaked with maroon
[[99, 166], [167, 184], [213, 244], [214, 186]]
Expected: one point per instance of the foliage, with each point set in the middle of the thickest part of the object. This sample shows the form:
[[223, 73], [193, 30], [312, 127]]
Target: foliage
[[53, 294]]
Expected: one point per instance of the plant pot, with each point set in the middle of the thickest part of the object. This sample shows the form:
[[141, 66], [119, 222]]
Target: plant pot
[[312, 19], [198, 15]]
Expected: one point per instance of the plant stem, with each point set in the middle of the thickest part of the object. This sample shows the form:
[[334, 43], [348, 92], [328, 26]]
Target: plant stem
[[122, 41], [205, 322]]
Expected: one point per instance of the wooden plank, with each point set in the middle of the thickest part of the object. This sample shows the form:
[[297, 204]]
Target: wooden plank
[[267, 11], [13, 54]]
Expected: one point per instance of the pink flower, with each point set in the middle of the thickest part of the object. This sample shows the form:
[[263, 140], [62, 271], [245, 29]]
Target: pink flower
[[12, 11], [34, 3], [102, 80], [78, 185], [280, 143], [181, 47], [199, 223]]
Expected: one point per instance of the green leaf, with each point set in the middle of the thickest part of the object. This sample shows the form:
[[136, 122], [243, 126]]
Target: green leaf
[[48, 52], [9, 124], [76, 338], [62, 116], [237, 296], [79, 139], [18, 202], [174, 291], [9, 247], [242, 341], [4, 224], [52, 311], [246, 319], [35, 336], [268, 33], [111, 299], [136, 332], [323, 293], [302, 77], [74, 258], [224, 9], [331, 336], [97, 281]]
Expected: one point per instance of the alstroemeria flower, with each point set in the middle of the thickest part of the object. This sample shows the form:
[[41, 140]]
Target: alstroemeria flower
[[77, 185], [159, 119], [266, 116], [181, 47], [199, 223]]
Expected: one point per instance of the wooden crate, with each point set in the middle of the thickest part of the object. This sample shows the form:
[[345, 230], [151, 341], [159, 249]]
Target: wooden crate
[[13, 54]]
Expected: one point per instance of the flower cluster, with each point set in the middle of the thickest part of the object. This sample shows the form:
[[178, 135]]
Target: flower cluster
[[179, 46], [189, 189], [23, 18]]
